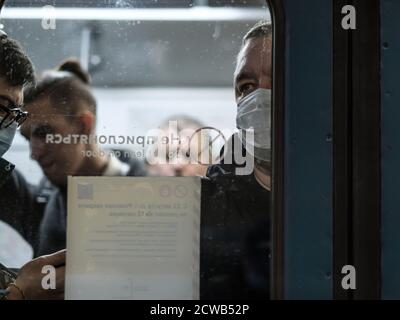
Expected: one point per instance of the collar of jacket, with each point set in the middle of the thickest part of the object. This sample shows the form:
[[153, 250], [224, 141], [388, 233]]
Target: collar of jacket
[[6, 168]]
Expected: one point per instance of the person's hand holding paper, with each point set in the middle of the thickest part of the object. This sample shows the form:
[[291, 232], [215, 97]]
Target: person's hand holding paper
[[28, 284]]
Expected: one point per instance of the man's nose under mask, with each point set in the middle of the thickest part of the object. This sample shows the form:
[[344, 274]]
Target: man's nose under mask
[[254, 121], [6, 137]]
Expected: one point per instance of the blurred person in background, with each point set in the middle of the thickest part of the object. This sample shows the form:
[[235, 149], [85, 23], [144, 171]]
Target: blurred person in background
[[176, 161], [62, 104]]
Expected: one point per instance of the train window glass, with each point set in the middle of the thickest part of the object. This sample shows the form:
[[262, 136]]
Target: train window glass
[[163, 88]]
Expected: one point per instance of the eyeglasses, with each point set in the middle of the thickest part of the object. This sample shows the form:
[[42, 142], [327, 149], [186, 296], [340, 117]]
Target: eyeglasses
[[9, 116]]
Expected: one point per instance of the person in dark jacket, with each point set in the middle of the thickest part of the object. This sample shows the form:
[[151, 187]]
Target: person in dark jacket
[[17, 205], [16, 71], [236, 207], [61, 131]]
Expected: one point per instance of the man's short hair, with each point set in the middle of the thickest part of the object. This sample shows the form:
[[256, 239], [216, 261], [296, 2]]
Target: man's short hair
[[15, 66], [261, 29]]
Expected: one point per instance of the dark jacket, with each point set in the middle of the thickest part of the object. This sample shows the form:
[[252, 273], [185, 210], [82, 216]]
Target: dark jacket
[[235, 242], [53, 227], [18, 206]]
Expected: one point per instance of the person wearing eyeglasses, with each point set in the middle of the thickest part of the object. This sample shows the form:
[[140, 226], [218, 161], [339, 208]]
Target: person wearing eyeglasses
[[16, 72], [18, 207]]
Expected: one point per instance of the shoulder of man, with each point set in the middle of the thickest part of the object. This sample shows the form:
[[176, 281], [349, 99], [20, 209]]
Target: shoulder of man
[[20, 208], [137, 168], [6, 169], [228, 166], [44, 191], [16, 187]]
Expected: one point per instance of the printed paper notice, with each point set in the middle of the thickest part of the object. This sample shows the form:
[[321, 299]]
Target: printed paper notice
[[133, 238]]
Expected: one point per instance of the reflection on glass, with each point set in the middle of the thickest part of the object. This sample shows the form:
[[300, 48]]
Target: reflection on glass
[[150, 94]]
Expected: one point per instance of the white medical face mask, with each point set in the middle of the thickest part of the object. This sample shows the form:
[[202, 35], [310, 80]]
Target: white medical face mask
[[6, 137], [254, 113]]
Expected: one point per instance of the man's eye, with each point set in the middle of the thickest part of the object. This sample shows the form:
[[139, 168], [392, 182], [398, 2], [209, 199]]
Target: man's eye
[[246, 88], [42, 132]]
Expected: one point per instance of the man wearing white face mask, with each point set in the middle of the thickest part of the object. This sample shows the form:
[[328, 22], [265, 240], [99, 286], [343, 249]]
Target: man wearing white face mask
[[239, 203], [254, 122], [17, 205], [16, 71], [253, 84]]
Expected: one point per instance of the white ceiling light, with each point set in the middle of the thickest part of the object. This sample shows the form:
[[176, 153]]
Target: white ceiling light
[[191, 14]]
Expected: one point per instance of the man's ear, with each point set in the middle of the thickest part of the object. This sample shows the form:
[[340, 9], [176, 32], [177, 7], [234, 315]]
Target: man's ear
[[87, 122]]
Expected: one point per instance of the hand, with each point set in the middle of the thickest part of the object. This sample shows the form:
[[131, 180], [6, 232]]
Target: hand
[[29, 279]]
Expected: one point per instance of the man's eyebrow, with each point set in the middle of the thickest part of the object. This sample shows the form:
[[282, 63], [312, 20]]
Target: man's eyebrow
[[28, 131], [245, 74]]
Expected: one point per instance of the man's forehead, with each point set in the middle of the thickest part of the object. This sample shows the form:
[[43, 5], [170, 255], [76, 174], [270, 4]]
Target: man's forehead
[[256, 49], [39, 114], [41, 109], [255, 53]]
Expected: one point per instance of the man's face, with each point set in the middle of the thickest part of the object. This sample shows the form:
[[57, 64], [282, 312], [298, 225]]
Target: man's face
[[10, 97], [57, 161], [254, 71], [254, 67]]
